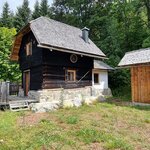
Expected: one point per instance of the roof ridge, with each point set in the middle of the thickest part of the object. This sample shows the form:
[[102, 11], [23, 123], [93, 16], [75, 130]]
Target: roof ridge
[[62, 23], [36, 19], [49, 19], [142, 49]]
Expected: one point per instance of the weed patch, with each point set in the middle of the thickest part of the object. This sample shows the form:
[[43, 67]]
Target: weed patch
[[72, 120], [110, 142]]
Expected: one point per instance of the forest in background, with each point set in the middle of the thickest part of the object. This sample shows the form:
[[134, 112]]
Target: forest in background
[[116, 27]]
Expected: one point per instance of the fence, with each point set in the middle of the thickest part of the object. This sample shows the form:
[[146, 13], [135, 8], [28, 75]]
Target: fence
[[0, 91], [7, 88], [14, 88]]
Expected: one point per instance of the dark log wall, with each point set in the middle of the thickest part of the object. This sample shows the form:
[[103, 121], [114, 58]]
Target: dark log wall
[[32, 62], [36, 78], [47, 68], [55, 64]]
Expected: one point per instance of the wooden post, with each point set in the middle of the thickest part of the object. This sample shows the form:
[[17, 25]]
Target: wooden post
[[3, 92], [8, 84], [7, 89], [0, 92]]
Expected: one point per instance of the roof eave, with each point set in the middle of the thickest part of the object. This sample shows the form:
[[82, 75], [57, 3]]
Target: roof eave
[[17, 42], [70, 51], [109, 69], [133, 65]]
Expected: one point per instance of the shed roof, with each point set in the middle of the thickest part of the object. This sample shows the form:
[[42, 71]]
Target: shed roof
[[141, 56], [101, 65], [51, 33]]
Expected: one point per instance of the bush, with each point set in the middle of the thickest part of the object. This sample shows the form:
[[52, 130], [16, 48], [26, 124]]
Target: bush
[[123, 93]]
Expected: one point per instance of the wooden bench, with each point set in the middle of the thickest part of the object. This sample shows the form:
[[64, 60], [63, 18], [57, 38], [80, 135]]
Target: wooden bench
[[18, 105]]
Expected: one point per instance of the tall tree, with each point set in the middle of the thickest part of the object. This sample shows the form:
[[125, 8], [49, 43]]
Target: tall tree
[[8, 70], [7, 16], [23, 15], [45, 8], [72, 12], [116, 26], [147, 4], [36, 12]]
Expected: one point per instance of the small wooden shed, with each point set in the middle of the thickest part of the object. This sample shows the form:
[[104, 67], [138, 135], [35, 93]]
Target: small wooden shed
[[139, 63]]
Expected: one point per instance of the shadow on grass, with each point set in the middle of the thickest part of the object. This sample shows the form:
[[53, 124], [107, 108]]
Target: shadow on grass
[[119, 102]]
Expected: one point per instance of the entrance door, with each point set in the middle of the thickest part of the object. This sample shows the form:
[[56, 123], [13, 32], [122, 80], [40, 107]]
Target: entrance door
[[26, 82]]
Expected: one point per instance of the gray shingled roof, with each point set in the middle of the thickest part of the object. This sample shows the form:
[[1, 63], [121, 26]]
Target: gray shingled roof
[[53, 33], [141, 56], [101, 65]]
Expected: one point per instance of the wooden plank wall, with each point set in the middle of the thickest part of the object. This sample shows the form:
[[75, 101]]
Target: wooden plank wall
[[34, 60], [55, 65], [140, 81], [54, 77]]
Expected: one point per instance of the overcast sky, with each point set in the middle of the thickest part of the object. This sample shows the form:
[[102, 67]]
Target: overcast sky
[[13, 4]]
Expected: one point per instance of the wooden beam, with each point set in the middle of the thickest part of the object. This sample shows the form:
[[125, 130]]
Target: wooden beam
[[17, 42], [132, 83], [15, 54], [16, 46], [14, 58]]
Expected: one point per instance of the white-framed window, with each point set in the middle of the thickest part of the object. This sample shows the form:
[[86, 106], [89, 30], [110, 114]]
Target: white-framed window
[[71, 75], [29, 49]]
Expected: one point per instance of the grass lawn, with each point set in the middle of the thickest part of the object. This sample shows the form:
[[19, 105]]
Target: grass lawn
[[96, 127]]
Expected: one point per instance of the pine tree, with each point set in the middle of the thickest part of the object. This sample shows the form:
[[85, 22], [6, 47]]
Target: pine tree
[[22, 16], [36, 12], [44, 8], [7, 16]]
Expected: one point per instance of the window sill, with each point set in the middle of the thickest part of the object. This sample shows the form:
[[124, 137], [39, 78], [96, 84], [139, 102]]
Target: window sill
[[96, 83], [70, 81]]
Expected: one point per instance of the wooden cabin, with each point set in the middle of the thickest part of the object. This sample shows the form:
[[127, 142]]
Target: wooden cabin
[[139, 63], [54, 55]]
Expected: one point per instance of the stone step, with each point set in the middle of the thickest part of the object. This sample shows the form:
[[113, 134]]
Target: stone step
[[18, 105], [17, 98], [44, 106]]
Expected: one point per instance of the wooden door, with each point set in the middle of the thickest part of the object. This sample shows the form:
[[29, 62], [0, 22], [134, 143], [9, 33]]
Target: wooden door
[[140, 77], [26, 82]]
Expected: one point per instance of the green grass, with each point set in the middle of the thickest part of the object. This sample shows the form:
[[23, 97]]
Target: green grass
[[70, 119], [103, 125]]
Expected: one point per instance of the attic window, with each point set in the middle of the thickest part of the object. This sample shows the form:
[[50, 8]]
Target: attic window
[[28, 49]]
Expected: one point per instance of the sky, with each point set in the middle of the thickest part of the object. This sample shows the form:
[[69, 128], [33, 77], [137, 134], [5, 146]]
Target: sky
[[13, 4]]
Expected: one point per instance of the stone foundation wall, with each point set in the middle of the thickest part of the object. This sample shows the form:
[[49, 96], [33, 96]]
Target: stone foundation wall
[[60, 95], [104, 92], [49, 95], [52, 99]]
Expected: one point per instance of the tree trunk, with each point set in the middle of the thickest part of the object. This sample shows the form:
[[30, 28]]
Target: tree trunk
[[147, 4]]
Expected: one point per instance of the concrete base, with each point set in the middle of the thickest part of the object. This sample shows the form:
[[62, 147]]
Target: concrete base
[[140, 104], [98, 92]]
